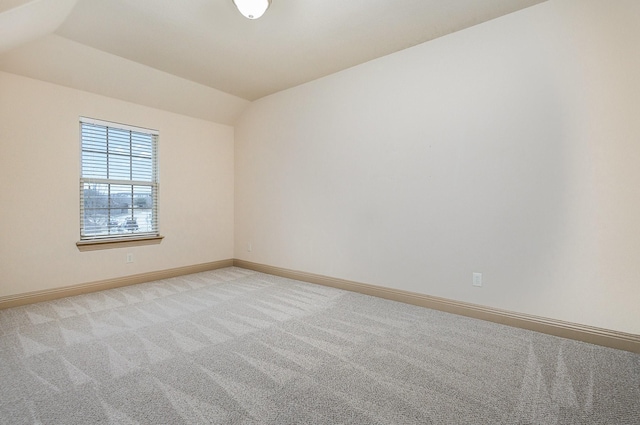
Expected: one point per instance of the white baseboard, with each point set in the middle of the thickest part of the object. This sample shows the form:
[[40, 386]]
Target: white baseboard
[[584, 333], [589, 334], [69, 291]]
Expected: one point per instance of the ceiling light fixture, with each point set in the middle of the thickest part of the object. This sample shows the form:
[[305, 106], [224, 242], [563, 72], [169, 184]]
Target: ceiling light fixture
[[252, 9]]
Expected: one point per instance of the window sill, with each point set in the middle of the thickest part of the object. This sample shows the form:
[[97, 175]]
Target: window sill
[[118, 243]]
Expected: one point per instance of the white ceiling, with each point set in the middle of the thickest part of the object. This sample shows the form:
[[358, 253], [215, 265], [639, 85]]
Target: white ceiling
[[208, 43]]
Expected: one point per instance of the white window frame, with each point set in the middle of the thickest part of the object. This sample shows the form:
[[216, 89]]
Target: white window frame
[[103, 230]]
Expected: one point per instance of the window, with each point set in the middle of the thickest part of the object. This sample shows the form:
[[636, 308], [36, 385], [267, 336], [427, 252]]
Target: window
[[118, 182]]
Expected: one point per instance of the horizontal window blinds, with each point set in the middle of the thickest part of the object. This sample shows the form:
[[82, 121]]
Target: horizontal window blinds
[[119, 181]]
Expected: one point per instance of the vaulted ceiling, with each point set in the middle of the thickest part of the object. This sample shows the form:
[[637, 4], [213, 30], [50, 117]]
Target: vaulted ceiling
[[207, 47]]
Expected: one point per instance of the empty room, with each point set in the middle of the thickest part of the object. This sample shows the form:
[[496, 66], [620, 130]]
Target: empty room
[[319, 212]]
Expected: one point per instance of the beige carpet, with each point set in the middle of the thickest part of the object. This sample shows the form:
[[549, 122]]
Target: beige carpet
[[237, 347]]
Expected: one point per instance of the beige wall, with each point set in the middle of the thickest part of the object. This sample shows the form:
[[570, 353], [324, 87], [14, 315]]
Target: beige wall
[[39, 172], [510, 148]]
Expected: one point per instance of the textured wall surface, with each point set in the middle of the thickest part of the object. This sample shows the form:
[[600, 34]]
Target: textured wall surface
[[509, 148]]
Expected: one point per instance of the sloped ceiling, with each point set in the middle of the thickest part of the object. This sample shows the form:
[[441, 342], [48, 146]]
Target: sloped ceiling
[[207, 47], [22, 20]]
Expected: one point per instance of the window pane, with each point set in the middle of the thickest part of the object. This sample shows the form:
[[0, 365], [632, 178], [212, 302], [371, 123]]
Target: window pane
[[94, 138], [119, 142], [142, 197], [94, 165], [119, 167], [142, 169], [119, 139], [141, 144], [120, 200], [95, 196], [144, 219], [96, 221]]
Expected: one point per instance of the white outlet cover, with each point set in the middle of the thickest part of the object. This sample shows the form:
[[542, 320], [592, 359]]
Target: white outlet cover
[[477, 279]]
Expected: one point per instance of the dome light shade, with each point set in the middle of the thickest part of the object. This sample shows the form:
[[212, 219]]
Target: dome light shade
[[252, 9]]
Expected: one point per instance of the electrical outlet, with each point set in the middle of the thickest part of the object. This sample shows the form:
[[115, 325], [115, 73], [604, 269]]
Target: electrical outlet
[[129, 258], [477, 279], [249, 247]]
